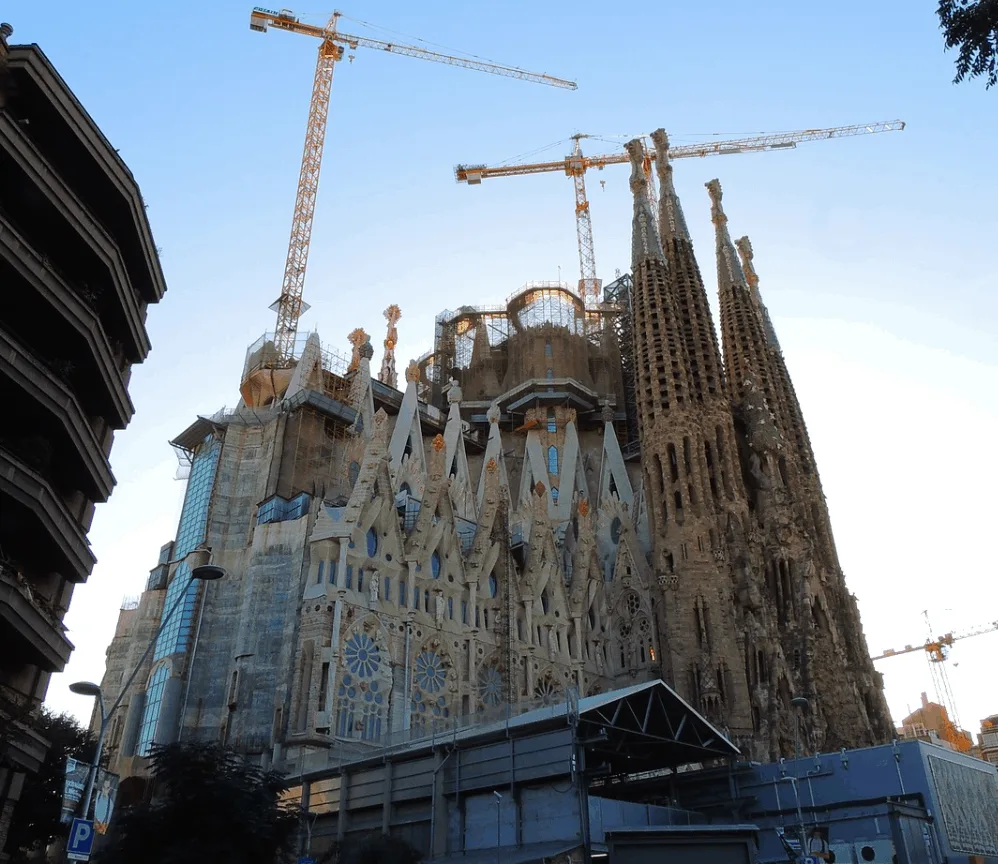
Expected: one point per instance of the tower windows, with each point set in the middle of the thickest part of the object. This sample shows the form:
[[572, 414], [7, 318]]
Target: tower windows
[[678, 500], [435, 565], [318, 578], [711, 473], [554, 494], [552, 422], [782, 463], [553, 460], [673, 463], [550, 374], [372, 543], [547, 350], [688, 456], [661, 473]]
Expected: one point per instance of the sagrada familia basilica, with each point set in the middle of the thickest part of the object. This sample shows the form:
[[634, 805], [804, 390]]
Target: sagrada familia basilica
[[560, 499]]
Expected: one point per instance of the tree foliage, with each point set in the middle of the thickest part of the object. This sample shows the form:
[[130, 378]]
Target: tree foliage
[[376, 849], [208, 805], [972, 26], [35, 821]]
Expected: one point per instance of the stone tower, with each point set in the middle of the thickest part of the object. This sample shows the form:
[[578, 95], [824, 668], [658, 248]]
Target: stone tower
[[402, 562]]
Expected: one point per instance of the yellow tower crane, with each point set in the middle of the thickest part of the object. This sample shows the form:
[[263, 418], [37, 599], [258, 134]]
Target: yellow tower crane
[[576, 164], [937, 652], [290, 305]]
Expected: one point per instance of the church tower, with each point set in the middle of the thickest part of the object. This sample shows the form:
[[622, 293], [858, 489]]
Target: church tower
[[800, 624], [688, 457]]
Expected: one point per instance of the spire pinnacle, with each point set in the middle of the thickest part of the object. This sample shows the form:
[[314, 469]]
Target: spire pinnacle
[[752, 278], [671, 221], [645, 242], [726, 255]]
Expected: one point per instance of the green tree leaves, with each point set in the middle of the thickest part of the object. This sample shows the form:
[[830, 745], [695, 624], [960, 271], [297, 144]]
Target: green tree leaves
[[972, 26]]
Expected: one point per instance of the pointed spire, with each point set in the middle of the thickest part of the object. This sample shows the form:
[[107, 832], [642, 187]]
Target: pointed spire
[[726, 255], [388, 375], [671, 221], [745, 252], [645, 242]]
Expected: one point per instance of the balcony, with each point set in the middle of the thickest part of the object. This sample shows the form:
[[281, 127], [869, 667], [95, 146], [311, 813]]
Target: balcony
[[53, 220], [42, 402], [32, 624], [37, 528], [70, 326]]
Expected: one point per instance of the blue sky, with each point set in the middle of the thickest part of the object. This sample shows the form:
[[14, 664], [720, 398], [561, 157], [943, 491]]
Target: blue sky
[[875, 253]]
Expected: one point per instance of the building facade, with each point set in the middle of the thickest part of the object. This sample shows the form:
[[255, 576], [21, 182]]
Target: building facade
[[77, 253], [560, 501], [987, 739]]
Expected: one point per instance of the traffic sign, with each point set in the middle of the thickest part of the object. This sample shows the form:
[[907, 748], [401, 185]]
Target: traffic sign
[[81, 840]]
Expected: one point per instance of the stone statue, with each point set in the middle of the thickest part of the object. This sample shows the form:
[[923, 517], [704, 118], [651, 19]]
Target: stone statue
[[374, 587], [453, 391]]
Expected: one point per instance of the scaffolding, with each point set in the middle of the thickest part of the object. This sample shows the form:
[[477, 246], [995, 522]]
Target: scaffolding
[[544, 330], [618, 295]]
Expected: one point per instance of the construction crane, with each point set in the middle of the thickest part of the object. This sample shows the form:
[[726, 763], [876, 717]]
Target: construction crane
[[290, 305], [937, 652], [576, 164]]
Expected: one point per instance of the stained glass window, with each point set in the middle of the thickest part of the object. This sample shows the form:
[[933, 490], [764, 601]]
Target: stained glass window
[[490, 686], [493, 585], [429, 701], [190, 534], [362, 694], [435, 565], [372, 543], [150, 713], [552, 460]]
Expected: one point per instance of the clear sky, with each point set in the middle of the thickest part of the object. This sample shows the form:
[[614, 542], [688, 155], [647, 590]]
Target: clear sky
[[876, 254]]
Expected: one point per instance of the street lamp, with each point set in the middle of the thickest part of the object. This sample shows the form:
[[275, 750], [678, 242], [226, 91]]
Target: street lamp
[[201, 569], [798, 703]]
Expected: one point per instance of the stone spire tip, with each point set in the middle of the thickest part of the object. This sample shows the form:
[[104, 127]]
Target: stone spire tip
[[645, 242], [670, 213]]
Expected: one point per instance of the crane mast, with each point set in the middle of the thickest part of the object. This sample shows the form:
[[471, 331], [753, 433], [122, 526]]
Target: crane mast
[[576, 164], [290, 305]]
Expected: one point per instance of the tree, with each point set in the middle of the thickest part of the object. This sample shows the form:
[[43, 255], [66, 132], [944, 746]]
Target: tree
[[376, 849], [972, 26], [35, 821], [208, 805]]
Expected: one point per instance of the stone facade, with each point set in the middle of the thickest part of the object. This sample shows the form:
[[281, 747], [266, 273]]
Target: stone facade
[[497, 535]]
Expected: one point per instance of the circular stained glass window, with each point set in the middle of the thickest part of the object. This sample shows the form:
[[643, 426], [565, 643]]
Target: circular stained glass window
[[490, 686], [362, 655], [430, 672], [372, 543]]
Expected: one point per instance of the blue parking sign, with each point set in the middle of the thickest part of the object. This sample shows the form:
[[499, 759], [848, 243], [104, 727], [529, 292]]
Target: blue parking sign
[[81, 840]]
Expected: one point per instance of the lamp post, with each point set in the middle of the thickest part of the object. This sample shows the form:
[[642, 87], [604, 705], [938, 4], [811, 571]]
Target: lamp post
[[201, 569], [799, 703]]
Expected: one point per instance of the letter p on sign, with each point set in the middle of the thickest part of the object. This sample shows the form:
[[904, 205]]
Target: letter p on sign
[[81, 840]]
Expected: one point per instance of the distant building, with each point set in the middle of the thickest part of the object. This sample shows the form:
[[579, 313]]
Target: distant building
[[932, 723], [987, 741], [78, 269]]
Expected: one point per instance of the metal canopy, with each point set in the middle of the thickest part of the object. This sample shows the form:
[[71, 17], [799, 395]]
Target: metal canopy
[[646, 727]]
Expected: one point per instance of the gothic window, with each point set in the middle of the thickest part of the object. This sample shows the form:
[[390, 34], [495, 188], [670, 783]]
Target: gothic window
[[372, 543], [493, 585], [362, 695], [318, 578], [661, 473], [547, 350], [403, 593], [490, 686], [687, 456], [435, 565], [552, 423], [554, 494], [545, 602], [552, 460], [429, 699], [782, 464], [150, 714]]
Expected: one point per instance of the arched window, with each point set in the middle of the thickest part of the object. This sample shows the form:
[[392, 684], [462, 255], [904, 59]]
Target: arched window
[[493, 585], [362, 695], [552, 460], [548, 352], [615, 530], [150, 714], [435, 565], [372, 543], [554, 494], [550, 374], [552, 422]]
